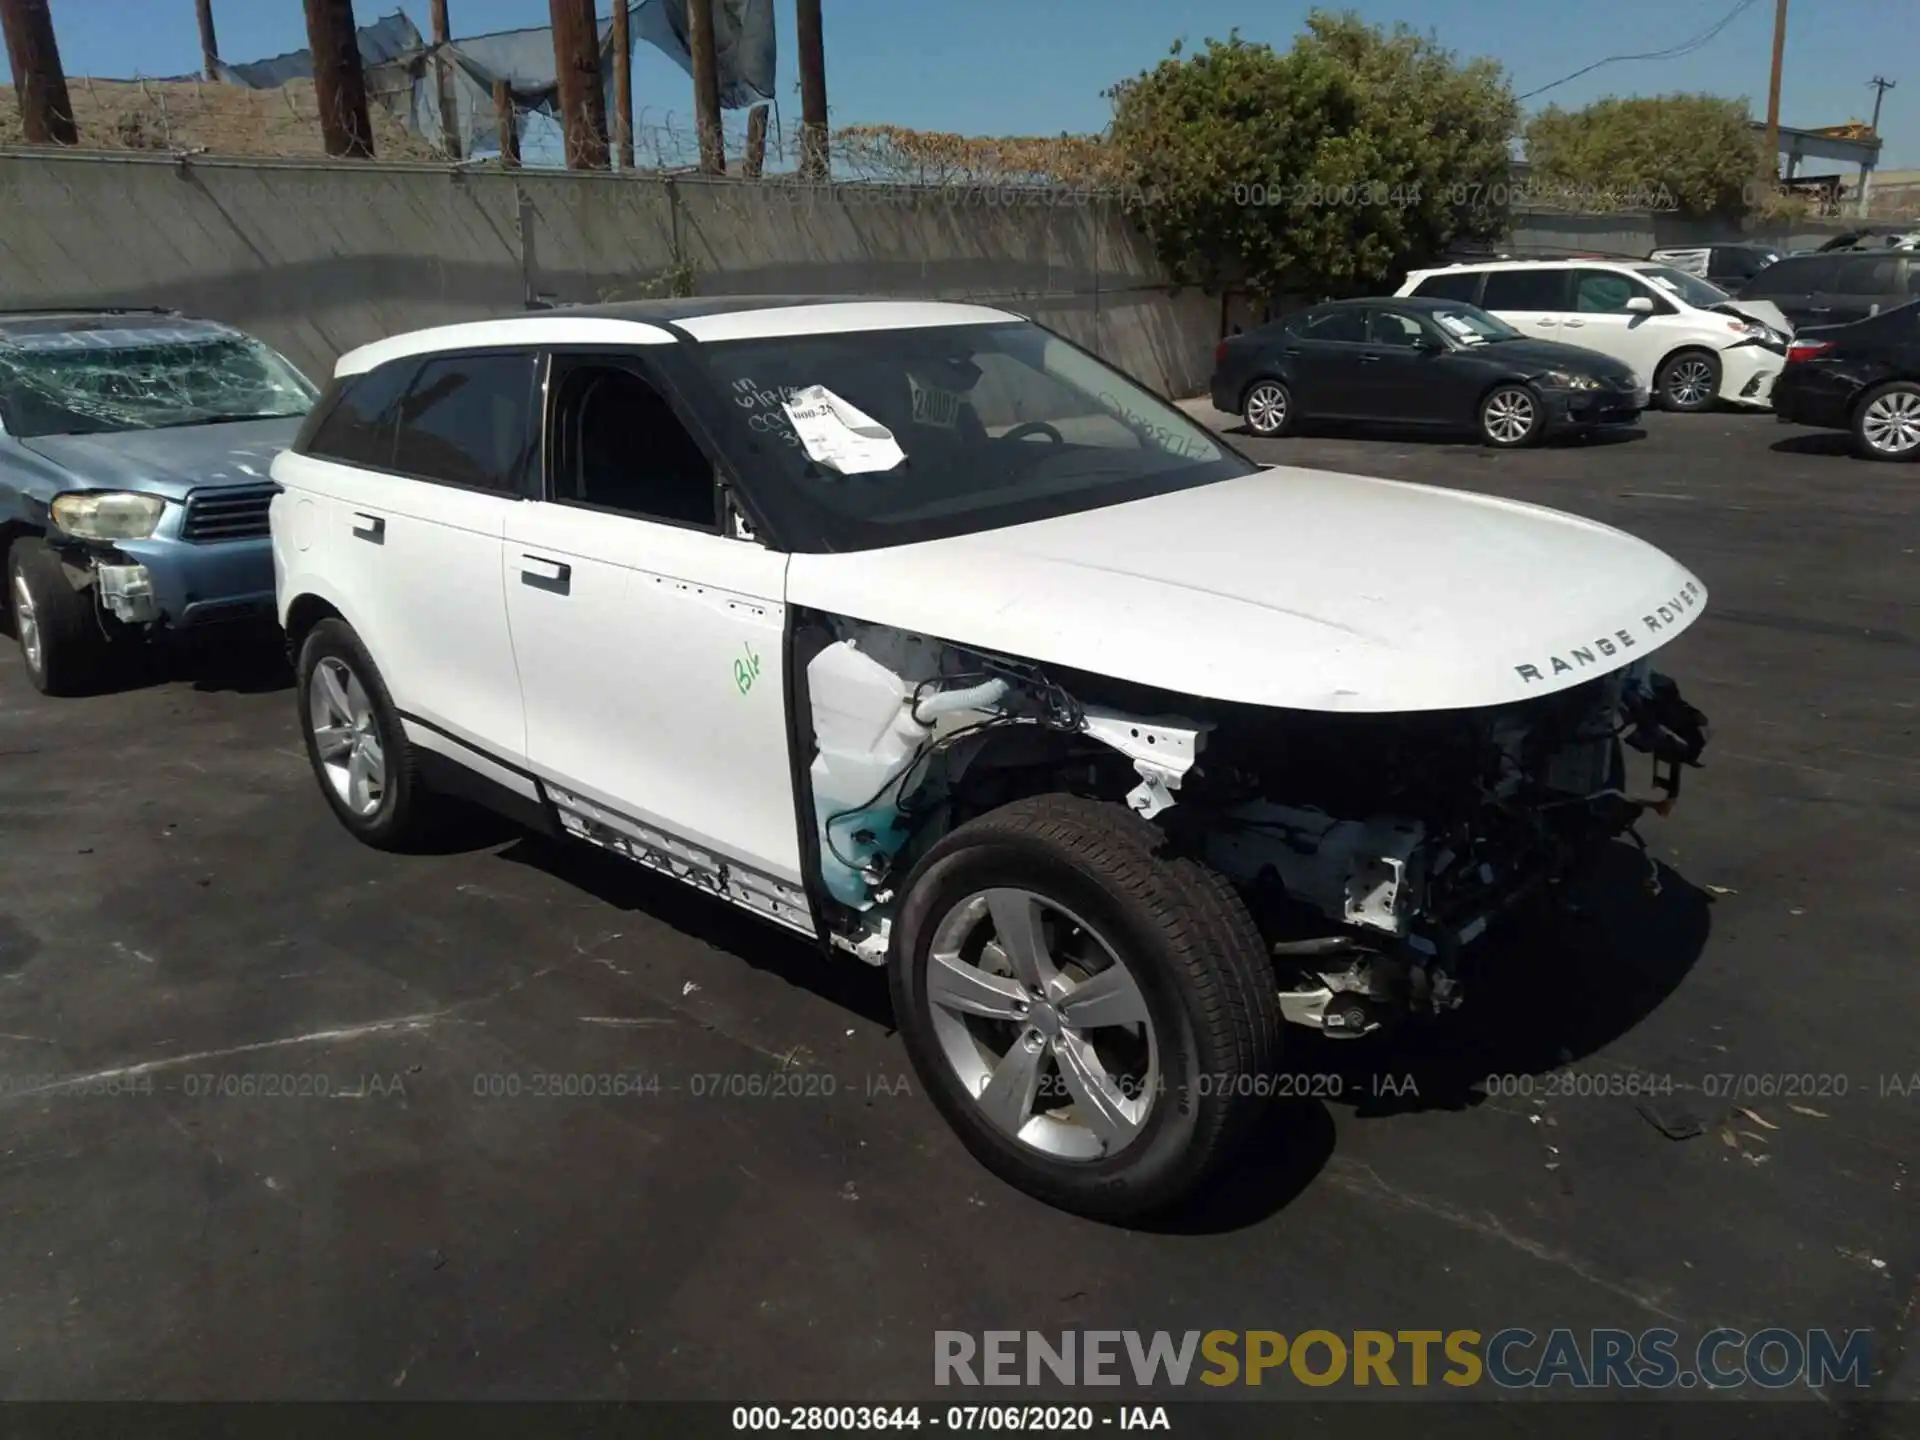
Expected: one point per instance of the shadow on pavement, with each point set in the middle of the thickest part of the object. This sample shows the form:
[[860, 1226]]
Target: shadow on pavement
[[1820, 442]]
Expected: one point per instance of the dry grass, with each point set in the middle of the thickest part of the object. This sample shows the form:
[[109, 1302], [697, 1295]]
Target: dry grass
[[219, 119]]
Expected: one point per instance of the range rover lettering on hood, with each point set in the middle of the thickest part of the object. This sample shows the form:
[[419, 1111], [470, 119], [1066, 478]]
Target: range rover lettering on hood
[[1607, 651]]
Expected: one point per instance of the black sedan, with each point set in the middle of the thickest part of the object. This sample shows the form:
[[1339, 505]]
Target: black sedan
[[1863, 377], [1419, 362]]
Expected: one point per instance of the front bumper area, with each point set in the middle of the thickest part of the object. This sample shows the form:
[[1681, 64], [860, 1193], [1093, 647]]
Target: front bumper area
[[1747, 374], [1584, 409], [175, 585]]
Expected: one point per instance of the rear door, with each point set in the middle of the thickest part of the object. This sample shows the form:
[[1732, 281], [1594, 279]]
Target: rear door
[[1323, 349], [1863, 287], [1535, 300], [1796, 285]]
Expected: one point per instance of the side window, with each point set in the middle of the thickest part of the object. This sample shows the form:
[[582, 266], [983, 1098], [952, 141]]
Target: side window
[[1343, 323], [1527, 290], [1800, 276], [1390, 327], [468, 420], [1868, 275], [1913, 275], [355, 425], [1449, 285], [1602, 292], [619, 446]]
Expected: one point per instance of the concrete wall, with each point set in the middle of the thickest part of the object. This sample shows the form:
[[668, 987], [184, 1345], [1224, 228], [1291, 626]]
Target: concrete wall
[[319, 258]]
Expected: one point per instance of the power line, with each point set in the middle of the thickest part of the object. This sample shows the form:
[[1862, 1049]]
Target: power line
[[1685, 47]]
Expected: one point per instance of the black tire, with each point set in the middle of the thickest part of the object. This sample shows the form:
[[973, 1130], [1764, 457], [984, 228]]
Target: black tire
[[1268, 408], [71, 641], [407, 812], [1688, 382], [1871, 405], [1505, 402], [1192, 949]]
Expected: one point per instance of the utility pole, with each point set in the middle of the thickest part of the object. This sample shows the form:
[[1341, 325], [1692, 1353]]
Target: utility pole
[[1880, 86], [623, 83], [39, 84], [583, 103], [755, 162], [508, 119], [813, 91], [339, 85], [706, 86], [1773, 90], [209, 47], [443, 81]]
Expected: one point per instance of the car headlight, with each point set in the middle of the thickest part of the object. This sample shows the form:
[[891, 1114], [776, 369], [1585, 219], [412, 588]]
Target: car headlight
[[1568, 380], [108, 514]]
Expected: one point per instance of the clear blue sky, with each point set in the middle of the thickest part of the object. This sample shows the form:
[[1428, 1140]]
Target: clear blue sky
[[1038, 66]]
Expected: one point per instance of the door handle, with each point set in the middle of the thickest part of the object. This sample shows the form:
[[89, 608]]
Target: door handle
[[545, 574], [1290, 350], [1368, 359], [369, 527], [1573, 324], [1546, 322]]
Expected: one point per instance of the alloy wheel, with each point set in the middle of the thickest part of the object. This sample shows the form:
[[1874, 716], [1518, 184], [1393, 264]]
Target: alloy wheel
[[1509, 416], [26, 624], [346, 736], [1266, 408], [1043, 1025], [1891, 423], [1690, 382]]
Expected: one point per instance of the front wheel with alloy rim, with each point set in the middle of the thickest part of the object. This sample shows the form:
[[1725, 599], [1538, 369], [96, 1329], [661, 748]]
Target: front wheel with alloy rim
[[1093, 1014], [1511, 416], [1689, 382], [1269, 409], [58, 627], [1886, 424], [355, 742]]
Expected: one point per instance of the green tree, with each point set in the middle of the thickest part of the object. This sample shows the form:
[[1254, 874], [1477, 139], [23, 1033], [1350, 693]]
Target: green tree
[[1696, 154], [1357, 153]]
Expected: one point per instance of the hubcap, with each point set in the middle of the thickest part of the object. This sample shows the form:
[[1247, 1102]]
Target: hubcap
[[26, 624], [1691, 382], [1892, 422], [1509, 416], [1267, 408], [345, 736], [1043, 1024]]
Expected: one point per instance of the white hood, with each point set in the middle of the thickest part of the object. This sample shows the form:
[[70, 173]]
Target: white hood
[[1292, 588]]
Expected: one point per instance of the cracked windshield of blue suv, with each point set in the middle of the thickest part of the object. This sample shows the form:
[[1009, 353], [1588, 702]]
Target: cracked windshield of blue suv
[[945, 430]]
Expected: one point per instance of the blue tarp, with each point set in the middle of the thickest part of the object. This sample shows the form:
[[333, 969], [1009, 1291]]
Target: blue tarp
[[397, 58]]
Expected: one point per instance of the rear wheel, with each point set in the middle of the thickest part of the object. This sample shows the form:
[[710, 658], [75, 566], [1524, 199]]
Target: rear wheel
[[1269, 409], [356, 744], [1886, 423], [59, 628], [1689, 381], [1511, 416], [1094, 1016]]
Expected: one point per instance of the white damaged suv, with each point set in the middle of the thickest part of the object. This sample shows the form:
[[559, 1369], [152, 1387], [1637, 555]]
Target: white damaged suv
[[916, 629]]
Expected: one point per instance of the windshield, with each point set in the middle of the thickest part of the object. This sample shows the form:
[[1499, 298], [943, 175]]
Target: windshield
[[887, 437], [89, 382], [1471, 325], [1700, 294]]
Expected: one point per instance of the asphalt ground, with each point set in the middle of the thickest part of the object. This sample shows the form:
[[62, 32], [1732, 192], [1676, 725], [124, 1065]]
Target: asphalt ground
[[328, 1141]]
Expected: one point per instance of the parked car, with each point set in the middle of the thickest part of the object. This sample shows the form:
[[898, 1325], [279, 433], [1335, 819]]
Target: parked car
[[1419, 362], [1863, 377], [1682, 333], [1837, 287], [918, 630], [1728, 266], [135, 455]]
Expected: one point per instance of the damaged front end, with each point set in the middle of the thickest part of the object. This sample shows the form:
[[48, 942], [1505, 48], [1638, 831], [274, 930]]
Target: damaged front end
[[1373, 849]]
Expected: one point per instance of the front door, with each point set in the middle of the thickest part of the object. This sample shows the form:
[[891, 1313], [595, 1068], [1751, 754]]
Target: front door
[[650, 643], [1601, 321], [1398, 380]]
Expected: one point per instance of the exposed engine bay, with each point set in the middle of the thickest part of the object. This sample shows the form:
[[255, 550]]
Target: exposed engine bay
[[1372, 849]]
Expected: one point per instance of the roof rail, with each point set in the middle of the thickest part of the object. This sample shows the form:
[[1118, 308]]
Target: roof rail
[[8, 310]]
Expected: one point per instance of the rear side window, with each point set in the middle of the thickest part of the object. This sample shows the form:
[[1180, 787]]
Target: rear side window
[[1527, 290], [468, 420], [1868, 275], [1449, 285], [353, 424], [1796, 275]]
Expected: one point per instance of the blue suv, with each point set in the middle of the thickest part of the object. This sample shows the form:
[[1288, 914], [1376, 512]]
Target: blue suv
[[135, 452]]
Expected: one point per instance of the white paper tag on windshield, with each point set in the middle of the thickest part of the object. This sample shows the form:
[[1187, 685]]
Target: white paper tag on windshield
[[839, 436]]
